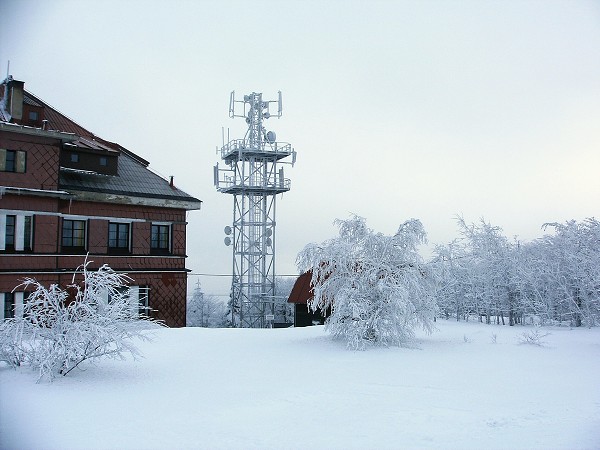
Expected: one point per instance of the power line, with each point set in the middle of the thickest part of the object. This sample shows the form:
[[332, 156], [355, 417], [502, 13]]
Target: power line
[[229, 275]]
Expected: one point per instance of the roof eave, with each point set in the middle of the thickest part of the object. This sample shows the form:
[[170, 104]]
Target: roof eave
[[176, 203], [32, 131], [64, 195]]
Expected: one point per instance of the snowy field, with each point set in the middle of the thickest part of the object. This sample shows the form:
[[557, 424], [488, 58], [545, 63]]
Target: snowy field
[[468, 385]]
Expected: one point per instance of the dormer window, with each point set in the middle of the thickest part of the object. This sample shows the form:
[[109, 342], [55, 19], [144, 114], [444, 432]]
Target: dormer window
[[103, 161], [34, 116], [74, 158]]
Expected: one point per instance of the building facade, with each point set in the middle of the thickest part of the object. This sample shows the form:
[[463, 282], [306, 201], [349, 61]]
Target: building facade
[[66, 193]]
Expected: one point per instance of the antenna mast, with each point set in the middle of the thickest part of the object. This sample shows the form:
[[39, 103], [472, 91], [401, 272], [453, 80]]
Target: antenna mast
[[254, 177]]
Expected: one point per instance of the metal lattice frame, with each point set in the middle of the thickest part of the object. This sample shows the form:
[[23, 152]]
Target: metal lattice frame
[[254, 178]]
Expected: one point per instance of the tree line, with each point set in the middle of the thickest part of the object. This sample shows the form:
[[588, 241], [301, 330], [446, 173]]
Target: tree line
[[552, 280]]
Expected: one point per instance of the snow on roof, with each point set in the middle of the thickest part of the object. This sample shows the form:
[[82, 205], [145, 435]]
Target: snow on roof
[[134, 179]]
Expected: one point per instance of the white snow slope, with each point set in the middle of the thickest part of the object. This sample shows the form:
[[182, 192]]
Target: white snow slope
[[297, 389]]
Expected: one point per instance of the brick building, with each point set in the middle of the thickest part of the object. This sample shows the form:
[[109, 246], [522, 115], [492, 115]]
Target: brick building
[[65, 193]]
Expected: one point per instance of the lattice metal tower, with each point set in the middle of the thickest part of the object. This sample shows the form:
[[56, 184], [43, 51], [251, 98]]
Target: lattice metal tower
[[254, 176]]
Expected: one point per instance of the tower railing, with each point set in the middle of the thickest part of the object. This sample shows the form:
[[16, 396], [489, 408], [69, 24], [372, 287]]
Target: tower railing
[[234, 147], [273, 183]]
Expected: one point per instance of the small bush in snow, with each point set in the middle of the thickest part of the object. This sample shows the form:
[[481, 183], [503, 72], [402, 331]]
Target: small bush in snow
[[533, 337], [55, 335], [375, 286]]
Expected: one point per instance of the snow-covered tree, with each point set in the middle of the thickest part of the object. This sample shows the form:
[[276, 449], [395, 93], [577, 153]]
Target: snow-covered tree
[[450, 270], [553, 279], [376, 286], [284, 311], [480, 272], [570, 267], [205, 310], [61, 328]]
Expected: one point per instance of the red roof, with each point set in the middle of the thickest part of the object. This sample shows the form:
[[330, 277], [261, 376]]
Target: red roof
[[302, 290]]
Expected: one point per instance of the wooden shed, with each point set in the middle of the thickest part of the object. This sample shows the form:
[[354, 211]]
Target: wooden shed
[[299, 297]]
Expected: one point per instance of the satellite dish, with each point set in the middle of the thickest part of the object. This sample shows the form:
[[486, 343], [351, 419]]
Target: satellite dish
[[227, 241], [271, 137], [269, 232], [227, 230], [269, 242]]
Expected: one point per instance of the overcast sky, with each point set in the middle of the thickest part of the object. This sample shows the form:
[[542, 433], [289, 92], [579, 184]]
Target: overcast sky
[[397, 109]]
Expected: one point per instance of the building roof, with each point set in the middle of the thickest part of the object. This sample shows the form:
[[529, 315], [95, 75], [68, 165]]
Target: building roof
[[302, 290], [134, 178]]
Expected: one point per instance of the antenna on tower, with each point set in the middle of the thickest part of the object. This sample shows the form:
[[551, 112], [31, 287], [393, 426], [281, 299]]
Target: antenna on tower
[[254, 176]]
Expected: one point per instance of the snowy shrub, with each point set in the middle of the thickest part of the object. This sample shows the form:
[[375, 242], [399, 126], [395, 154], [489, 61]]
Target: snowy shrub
[[58, 331], [534, 337], [375, 286]]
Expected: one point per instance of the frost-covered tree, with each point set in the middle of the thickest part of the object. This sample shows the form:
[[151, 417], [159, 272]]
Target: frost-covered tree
[[450, 270], [205, 310], [376, 286], [284, 311], [554, 279], [480, 272], [62, 328], [570, 271]]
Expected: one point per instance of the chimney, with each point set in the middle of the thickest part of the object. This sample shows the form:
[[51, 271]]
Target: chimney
[[15, 99], [171, 181]]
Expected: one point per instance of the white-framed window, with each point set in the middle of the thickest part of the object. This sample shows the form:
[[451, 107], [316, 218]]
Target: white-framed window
[[16, 232], [11, 305], [160, 238]]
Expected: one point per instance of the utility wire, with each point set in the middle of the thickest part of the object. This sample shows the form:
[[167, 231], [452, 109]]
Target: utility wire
[[229, 275]]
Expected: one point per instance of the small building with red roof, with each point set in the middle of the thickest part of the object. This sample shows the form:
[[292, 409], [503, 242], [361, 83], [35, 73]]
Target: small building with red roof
[[301, 294]]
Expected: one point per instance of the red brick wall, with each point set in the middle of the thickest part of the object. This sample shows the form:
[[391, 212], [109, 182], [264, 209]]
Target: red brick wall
[[27, 203], [179, 239], [167, 294], [98, 236], [163, 274], [41, 170], [45, 234], [140, 238]]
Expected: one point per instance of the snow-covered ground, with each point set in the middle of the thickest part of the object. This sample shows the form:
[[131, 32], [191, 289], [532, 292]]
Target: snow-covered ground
[[468, 385]]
